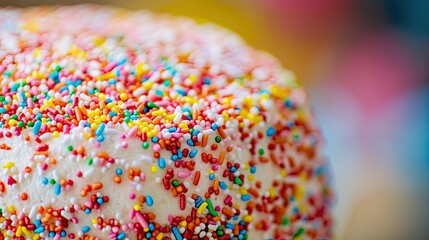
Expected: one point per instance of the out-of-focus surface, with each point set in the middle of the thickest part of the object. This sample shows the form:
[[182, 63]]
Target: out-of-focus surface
[[365, 64]]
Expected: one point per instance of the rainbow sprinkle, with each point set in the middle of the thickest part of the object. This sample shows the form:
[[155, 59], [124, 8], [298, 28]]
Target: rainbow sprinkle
[[139, 126]]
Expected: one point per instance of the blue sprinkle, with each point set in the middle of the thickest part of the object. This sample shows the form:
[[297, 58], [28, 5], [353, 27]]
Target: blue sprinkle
[[149, 200], [155, 139], [176, 233], [235, 217], [112, 81], [39, 229], [119, 171], [232, 169], [245, 197], [252, 169], [151, 227], [222, 185], [173, 129], [121, 236], [55, 76], [87, 211], [45, 181], [161, 163], [85, 229], [206, 81], [181, 92], [190, 142], [113, 114], [193, 153], [288, 103], [195, 133], [37, 223], [159, 93], [270, 131], [229, 225], [2, 110], [100, 129], [57, 189], [174, 157], [211, 176], [100, 138], [179, 153], [100, 200], [63, 233], [133, 117], [36, 127], [108, 100], [214, 126], [148, 235], [14, 88], [52, 234]]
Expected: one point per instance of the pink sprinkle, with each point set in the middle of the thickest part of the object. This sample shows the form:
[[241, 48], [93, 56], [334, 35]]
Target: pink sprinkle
[[132, 196], [109, 67], [170, 218], [97, 144], [215, 168], [141, 220], [183, 174], [124, 144], [133, 131], [132, 213], [156, 147], [79, 174], [112, 235], [44, 166]]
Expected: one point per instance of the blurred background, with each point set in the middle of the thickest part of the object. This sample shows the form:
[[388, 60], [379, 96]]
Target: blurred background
[[365, 64]]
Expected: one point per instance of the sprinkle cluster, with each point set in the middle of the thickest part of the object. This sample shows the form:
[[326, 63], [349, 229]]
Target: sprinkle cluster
[[116, 112]]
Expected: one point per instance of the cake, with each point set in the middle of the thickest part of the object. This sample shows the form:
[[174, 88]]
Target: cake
[[117, 124]]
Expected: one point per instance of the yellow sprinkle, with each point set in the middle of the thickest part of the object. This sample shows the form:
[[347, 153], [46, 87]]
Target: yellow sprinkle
[[8, 165], [272, 192], [11, 209], [251, 177], [183, 224], [56, 134], [248, 218], [13, 122], [283, 173], [154, 169], [201, 208], [123, 96], [158, 112], [159, 236], [183, 125], [137, 207], [147, 85], [36, 236], [242, 190], [19, 231], [25, 231]]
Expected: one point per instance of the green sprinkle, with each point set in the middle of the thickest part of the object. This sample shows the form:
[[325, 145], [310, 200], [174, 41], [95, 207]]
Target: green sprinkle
[[126, 119], [52, 181], [238, 181], [34, 99], [175, 183], [152, 105], [21, 124], [58, 68], [285, 221], [261, 151], [14, 116], [30, 124], [70, 148], [90, 161], [145, 145], [66, 115], [299, 232], [211, 208], [2, 98], [218, 139]]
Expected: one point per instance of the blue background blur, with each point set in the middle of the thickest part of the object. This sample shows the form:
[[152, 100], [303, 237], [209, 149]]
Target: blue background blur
[[365, 64]]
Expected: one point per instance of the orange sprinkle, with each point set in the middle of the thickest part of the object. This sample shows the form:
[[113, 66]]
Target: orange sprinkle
[[221, 158], [205, 137], [104, 155], [24, 196], [196, 178], [97, 186], [221, 132], [117, 179]]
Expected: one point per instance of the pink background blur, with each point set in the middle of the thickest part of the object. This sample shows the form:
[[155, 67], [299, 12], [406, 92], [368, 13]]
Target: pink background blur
[[365, 64]]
